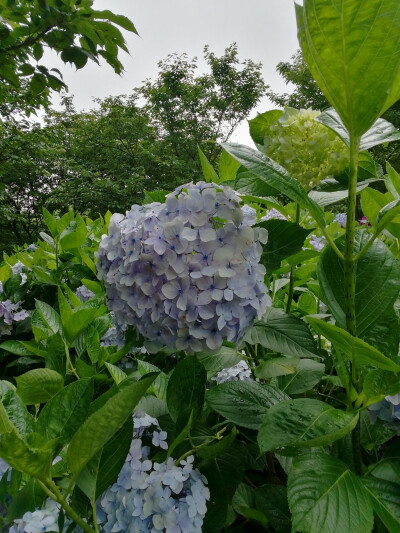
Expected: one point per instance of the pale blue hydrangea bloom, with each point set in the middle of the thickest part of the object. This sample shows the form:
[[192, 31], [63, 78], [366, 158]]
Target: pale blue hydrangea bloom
[[170, 268], [39, 521], [273, 213], [238, 372], [152, 497], [84, 294], [341, 218], [317, 242], [18, 269], [387, 410]]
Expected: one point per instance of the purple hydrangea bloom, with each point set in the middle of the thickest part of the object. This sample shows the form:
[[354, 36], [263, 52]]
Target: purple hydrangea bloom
[[153, 497], [9, 314], [84, 293], [169, 268], [341, 218], [273, 213], [387, 410]]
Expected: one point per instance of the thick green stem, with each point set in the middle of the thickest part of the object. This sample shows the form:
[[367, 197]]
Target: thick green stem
[[350, 281], [56, 495], [291, 283]]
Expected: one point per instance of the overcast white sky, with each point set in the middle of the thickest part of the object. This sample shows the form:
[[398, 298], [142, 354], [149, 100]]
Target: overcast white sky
[[265, 31]]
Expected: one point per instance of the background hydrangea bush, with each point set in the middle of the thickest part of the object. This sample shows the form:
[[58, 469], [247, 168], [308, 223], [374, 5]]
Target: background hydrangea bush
[[226, 356]]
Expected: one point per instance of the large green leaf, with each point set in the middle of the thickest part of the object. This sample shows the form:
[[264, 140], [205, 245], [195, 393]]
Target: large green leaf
[[274, 176], [38, 385], [223, 474], [227, 166], [378, 384], [284, 239], [103, 469], [325, 198], [243, 402], [66, 411], [284, 334], [50, 317], [351, 46], [104, 423], [377, 282], [326, 497], [303, 422], [385, 501], [25, 458], [260, 125], [381, 131], [272, 501], [15, 409], [356, 350], [307, 374], [215, 362], [277, 366], [186, 389]]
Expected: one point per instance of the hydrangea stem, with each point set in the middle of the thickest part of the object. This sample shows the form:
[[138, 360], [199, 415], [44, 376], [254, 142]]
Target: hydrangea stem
[[350, 281], [291, 283]]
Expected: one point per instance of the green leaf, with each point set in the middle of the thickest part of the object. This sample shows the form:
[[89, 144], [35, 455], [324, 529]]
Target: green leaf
[[93, 345], [243, 402], [307, 374], [103, 424], [392, 181], [50, 222], [81, 319], [274, 176], [223, 474], [66, 411], [49, 317], [186, 389], [159, 387], [355, 349], [260, 125], [284, 334], [385, 501], [214, 450], [116, 373], [208, 170], [325, 198], [303, 422], [215, 362], [326, 497], [5, 273], [227, 166], [103, 469], [377, 282], [277, 366], [378, 384], [28, 459], [120, 20], [284, 239], [38, 385], [381, 131], [349, 48], [16, 411], [387, 214], [272, 501], [74, 238]]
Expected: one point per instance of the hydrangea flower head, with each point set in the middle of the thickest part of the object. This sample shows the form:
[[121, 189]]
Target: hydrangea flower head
[[387, 410], [153, 497], [307, 149], [185, 273]]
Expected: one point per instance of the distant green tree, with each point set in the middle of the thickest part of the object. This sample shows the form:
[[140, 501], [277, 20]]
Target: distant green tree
[[307, 94], [190, 111]]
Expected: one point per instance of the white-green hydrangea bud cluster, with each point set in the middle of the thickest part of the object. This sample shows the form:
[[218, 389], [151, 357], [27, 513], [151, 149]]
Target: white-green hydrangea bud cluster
[[307, 149]]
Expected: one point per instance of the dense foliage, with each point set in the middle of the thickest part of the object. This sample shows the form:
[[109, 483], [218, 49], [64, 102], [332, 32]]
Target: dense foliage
[[106, 158], [139, 389]]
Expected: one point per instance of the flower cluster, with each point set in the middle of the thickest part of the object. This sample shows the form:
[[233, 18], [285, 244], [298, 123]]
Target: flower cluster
[[10, 313], [185, 273], [307, 149], [387, 410], [150, 496], [84, 294], [272, 213], [40, 520], [239, 372], [18, 269], [341, 218], [317, 243]]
